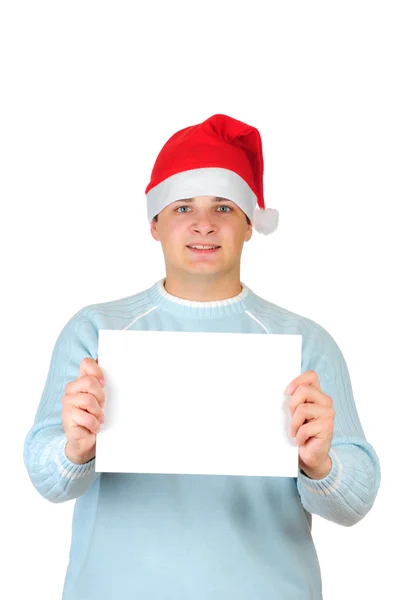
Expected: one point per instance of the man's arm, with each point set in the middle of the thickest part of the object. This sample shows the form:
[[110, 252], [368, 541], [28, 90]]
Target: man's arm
[[54, 476], [347, 493]]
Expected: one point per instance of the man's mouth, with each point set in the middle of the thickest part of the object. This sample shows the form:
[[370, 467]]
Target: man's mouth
[[199, 249]]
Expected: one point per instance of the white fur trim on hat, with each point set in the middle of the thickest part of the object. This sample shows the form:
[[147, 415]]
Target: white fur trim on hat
[[205, 181], [211, 181]]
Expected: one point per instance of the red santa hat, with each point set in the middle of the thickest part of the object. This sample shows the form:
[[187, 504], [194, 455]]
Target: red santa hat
[[219, 157]]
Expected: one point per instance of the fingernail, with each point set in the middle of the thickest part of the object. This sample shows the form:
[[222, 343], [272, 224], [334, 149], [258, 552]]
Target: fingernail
[[290, 389], [102, 419], [102, 382]]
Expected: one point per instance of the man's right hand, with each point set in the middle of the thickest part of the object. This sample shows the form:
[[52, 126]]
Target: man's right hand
[[82, 411]]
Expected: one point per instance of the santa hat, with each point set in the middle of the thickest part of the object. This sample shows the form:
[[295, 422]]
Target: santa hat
[[219, 157]]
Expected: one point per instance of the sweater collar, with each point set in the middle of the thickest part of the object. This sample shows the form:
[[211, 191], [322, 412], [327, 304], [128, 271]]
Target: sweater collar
[[198, 309]]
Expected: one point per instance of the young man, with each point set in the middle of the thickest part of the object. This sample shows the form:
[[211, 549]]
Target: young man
[[158, 536]]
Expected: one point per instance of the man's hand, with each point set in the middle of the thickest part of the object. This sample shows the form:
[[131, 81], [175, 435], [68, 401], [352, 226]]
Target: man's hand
[[82, 411], [312, 423]]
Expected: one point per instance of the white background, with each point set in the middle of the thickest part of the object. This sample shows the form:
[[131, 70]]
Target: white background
[[90, 93]]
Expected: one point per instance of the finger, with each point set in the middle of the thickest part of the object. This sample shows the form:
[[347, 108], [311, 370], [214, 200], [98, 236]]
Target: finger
[[77, 433], [89, 366], [308, 412], [309, 377], [80, 417], [88, 384], [316, 428], [308, 393], [87, 402]]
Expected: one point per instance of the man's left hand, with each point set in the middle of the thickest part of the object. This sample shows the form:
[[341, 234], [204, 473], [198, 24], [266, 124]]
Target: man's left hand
[[312, 423]]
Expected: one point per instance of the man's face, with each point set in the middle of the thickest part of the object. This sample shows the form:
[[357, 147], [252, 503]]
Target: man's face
[[205, 220]]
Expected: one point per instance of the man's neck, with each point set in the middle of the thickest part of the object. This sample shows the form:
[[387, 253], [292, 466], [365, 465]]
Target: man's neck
[[203, 289]]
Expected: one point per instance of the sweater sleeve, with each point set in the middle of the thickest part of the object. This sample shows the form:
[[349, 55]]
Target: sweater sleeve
[[347, 493], [53, 475]]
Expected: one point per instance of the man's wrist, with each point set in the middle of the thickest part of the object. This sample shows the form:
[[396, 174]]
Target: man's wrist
[[318, 472], [81, 459]]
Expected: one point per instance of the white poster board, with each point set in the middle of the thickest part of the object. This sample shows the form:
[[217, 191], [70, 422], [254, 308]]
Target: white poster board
[[197, 403]]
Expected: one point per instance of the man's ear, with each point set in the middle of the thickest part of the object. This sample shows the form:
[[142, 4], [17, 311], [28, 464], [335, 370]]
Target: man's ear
[[249, 232], [154, 231]]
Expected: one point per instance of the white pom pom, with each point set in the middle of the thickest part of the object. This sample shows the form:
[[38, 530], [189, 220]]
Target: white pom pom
[[265, 221]]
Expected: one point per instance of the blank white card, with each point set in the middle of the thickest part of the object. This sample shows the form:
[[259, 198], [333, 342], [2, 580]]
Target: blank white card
[[204, 403]]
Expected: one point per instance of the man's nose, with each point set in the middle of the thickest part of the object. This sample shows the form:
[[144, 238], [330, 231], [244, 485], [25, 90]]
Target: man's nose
[[203, 226], [203, 222]]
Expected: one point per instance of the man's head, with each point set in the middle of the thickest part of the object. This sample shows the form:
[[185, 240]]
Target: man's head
[[205, 220]]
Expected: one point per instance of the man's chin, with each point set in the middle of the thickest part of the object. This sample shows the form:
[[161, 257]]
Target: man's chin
[[198, 267]]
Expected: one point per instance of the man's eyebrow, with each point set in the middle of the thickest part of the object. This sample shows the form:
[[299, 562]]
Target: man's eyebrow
[[216, 199]]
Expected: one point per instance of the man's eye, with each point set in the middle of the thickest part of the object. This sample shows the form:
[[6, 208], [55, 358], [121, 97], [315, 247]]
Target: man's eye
[[220, 206]]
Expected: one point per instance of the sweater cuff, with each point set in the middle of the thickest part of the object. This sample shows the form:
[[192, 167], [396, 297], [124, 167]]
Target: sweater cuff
[[328, 484], [66, 467]]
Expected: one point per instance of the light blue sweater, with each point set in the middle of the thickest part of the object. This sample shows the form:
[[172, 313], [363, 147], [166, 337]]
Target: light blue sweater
[[196, 537]]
